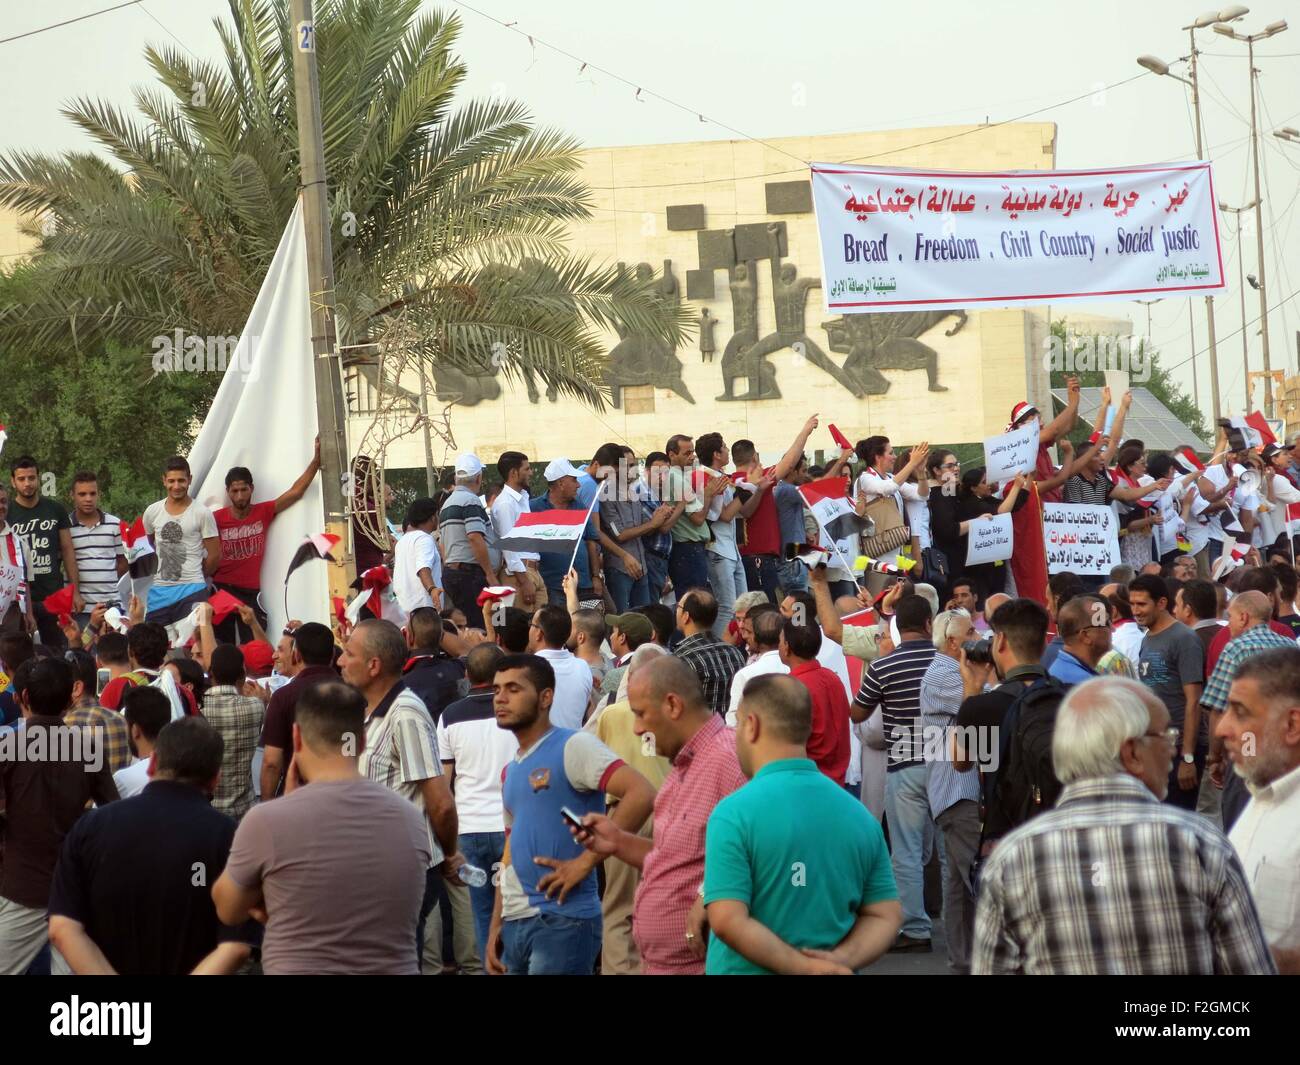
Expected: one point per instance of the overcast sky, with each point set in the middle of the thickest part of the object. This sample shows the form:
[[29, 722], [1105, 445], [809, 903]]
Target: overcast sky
[[815, 67]]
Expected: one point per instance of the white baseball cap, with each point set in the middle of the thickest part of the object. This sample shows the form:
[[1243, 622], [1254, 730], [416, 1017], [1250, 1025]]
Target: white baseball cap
[[469, 465], [557, 468]]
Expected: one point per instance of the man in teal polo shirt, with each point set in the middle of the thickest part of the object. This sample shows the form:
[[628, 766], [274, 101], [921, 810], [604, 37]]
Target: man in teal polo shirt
[[797, 879]]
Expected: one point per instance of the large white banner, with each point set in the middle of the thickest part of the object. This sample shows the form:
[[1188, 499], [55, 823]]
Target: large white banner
[[911, 240], [264, 417], [1082, 538]]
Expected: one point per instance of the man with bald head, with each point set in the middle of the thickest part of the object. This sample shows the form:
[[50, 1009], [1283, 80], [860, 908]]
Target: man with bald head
[[1249, 614], [797, 879], [672, 713], [1084, 626]]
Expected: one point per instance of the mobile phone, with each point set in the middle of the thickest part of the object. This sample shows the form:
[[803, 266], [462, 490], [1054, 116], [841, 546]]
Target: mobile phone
[[573, 820], [101, 681]]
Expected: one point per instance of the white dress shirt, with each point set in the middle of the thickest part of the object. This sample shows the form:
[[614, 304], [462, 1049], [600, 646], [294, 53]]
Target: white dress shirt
[[415, 551], [1267, 840], [506, 509], [767, 662], [573, 684]]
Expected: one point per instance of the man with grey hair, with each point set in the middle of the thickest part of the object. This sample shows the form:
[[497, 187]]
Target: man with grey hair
[[668, 710], [465, 531], [1262, 735], [743, 636], [1121, 574], [401, 745], [765, 623], [1114, 880], [954, 797]]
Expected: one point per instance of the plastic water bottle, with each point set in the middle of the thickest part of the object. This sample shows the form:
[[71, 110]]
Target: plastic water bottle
[[472, 876]]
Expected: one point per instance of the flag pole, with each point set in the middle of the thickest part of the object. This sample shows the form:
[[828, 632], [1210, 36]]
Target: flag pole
[[574, 557]]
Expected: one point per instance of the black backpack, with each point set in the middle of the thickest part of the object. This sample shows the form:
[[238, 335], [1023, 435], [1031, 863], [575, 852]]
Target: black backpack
[[1026, 782]]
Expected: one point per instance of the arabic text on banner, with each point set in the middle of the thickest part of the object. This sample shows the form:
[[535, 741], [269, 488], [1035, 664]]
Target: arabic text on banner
[[1082, 538], [990, 541], [910, 240], [1010, 453]]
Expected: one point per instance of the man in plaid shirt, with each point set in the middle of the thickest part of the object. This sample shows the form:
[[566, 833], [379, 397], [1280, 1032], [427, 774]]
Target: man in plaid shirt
[[86, 712], [238, 718], [714, 662], [1113, 880]]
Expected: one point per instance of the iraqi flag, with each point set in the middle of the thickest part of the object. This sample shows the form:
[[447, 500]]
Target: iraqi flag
[[316, 546], [1254, 429], [831, 507], [554, 531], [1185, 459], [135, 541], [1293, 519]]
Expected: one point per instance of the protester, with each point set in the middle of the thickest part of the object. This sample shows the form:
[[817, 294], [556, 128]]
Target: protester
[[954, 797], [97, 543], [1172, 664], [1084, 627], [147, 712], [430, 672], [550, 923], [518, 568], [185, 537], [86, 713], [691, 498], [125, 898], [586, 638], [417, 563], [796, 878], [46, 531], [879, 481], [312, 661], [894, 684], [1042, 910], [243, 526], [548, 638], [715, 663], [238, 720], [726, 571], [765, 624], [401, 744], [828, 742], [17, 618], [1262, 733], [975, 503], [311, 862], [622, 517], [468, 543], [627, 632], [42, 799]]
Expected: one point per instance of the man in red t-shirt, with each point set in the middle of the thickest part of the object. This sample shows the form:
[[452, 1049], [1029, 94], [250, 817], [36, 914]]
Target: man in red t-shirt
[[242, 527], [761, 551], [828, 743]]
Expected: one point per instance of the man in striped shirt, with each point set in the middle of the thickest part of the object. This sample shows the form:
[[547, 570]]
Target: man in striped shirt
[[893, 683], [97, 541], [954, 796]]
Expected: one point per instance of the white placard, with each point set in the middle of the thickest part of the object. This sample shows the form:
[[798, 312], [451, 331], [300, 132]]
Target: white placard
[[894, 239], [990, 541], [1082, 538], [1010, 453], [10, 578]]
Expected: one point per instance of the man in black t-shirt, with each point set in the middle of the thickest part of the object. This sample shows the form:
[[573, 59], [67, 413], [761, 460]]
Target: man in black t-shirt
[[1019, 635], [46, 529], [132, 892]]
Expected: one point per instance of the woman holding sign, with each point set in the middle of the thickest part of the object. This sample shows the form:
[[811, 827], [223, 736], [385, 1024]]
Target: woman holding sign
[[884, 490], [975, 502]]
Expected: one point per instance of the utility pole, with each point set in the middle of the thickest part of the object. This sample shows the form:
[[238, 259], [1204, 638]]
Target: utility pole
[[1249, 40], [330, 410], [1236, 213]]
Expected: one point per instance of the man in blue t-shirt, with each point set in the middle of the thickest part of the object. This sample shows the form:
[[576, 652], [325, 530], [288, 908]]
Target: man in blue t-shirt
[[562, 494], [1084, 627], [548, 923], [797, 879]]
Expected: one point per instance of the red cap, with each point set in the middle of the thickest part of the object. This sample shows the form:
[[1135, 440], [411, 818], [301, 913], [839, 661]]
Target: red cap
[[259, 657]]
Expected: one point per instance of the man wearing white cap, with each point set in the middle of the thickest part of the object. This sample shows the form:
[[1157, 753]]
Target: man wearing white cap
[[562, 494], [466, 534]]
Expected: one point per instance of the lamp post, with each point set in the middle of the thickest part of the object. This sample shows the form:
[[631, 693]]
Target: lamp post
[[1271, 30], [1158, 66], [1241, 287]]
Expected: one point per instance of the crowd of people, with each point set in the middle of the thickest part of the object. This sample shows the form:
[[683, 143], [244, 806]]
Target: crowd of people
[[691, 745]]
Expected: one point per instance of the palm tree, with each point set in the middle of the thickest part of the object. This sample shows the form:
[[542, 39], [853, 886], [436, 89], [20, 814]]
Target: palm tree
[[451, 219]]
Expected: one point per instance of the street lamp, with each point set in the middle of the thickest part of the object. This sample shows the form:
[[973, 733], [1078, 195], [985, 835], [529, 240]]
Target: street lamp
[[1271, 30], [1236, 212], [1158, 66]]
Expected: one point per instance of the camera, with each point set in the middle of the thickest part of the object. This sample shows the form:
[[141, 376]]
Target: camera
[[979, 652]]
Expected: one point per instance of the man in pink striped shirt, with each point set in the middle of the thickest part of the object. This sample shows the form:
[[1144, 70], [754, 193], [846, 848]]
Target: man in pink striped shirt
[[671, 712]]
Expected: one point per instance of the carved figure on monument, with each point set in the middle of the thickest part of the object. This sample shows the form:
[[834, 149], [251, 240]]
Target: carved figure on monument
[[875, 342], [743, 282], [707, 348], [643, 359], [789, 295]]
